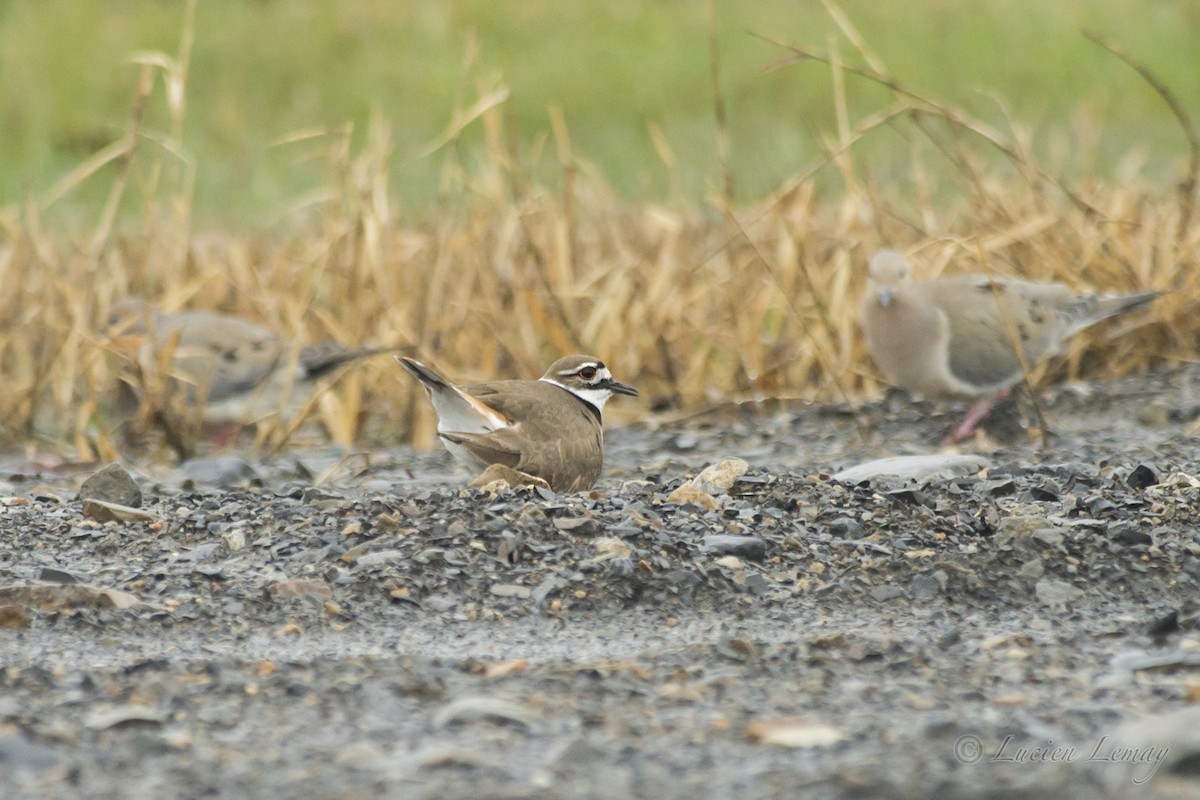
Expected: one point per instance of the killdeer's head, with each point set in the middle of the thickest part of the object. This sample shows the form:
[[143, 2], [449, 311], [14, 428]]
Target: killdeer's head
[[887, 273], [587, 378]]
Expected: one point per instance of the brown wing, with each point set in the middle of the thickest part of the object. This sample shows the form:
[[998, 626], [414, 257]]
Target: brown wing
[[557, 436], [490, 448]]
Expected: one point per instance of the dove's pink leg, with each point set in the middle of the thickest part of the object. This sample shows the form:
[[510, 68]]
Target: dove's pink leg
[[226, 435], [977, 413]]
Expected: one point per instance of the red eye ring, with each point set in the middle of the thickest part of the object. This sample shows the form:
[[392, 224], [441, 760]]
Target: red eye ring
[[587, 373]]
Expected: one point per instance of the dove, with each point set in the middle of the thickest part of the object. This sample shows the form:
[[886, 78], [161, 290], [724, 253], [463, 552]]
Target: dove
[[229, 369], [549, 428], [966, 336]]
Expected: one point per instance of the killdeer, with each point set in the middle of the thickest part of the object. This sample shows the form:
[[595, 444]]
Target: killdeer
[[959, 336], [549, 428], [227, 368]]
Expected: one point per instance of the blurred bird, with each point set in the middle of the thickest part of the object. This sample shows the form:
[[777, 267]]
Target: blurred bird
[[549, 428], [224, 368], [968, 335]]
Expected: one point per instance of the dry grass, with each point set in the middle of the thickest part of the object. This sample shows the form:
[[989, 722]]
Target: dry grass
[[693, 307]]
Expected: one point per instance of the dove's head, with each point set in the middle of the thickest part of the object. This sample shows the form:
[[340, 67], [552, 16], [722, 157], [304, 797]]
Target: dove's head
[[129, 316], [887, 272]]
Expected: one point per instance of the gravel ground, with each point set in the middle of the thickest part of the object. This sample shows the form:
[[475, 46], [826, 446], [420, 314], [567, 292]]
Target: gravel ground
[[354, 627]]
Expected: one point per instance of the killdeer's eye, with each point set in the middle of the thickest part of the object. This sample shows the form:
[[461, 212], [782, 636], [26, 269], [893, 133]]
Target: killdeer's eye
[[588, 373]]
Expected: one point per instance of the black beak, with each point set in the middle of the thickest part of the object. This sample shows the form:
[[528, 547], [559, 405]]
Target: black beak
[[616, 387]]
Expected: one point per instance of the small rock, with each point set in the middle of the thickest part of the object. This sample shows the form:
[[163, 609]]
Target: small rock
[[101, 511], [123, 717], [301, 588], [478, 708], [234, 540], [928, 585], [361, 755], [1136, 660], [608, 548], [55, 597], [222, 471], [793, 732], [757, 584], [511, 590], [998, 487], [718, 478], [203, 552], [56, 575], [750, 547], [1129, 534], [18, 755], [531, 519], [913, 467], [730, 562], [686, 441], [440, 602], [380, 558], [737, 648], [1054, 592], [508, 549], [580, 526], [1103, 712], [437, 756], [845, 528], [1020, 526], [545, 589], [1051, 537], [1031, 570], [886, 593], [13, 616], [113, 484], [502, 669], [1155, 415], [687, 494], [1143, 475]]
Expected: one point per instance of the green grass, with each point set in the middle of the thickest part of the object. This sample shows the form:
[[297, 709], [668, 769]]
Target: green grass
[[263, 70]]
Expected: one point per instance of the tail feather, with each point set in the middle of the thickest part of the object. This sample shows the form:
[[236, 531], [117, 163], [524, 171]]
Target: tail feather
[[1087, 310], [428, 378], [320, 359], [457, 411], [1113, 305]]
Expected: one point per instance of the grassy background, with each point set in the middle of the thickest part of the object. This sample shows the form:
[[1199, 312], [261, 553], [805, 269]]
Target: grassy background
[[498, 184], [618, 69]]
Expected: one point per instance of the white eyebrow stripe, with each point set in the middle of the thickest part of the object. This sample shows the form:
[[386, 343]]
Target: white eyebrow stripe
[[566, 373]]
